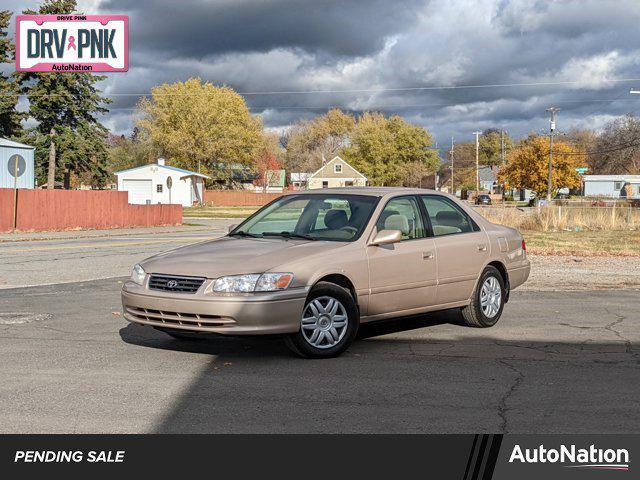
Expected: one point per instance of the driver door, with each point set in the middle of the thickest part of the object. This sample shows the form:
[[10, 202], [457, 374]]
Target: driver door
[[403, 275]]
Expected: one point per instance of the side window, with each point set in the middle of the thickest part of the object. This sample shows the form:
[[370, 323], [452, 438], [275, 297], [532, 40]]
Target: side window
[[446, 218], [402, 214]]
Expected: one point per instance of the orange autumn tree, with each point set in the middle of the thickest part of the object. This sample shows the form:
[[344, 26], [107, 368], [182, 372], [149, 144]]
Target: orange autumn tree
[[528, 165], [268, 161]]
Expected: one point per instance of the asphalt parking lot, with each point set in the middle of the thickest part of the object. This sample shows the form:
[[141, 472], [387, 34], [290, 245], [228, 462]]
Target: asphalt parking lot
[[556, 362]]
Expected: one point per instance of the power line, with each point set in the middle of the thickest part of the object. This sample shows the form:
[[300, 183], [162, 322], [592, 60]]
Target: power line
[[391, 89], [438, 87], [600, 152], [378, 107]]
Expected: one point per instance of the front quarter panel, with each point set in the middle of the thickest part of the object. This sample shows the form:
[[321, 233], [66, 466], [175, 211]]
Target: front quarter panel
[[348, 260]]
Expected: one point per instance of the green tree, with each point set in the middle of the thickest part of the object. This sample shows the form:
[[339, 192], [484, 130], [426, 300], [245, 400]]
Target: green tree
[[9, 88], [528, 165], [386, 150], [308, 141], [130, 152], [491, 145], [199, 126], [65, 107]]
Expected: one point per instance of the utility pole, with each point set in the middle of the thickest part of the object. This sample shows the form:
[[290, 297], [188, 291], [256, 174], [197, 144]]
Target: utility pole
[[51, 174], [453, 192], [552, 127], [502, 147], [477, 134]]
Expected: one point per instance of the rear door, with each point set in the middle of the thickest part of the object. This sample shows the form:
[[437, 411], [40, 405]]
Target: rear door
[[402, 276], [139, 190], [462, 248]]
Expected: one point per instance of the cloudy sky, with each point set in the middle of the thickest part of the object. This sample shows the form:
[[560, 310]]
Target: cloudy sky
[[451, 66]]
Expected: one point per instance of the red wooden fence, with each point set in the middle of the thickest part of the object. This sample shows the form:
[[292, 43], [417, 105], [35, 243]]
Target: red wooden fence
[[238, 198], [40, 210]]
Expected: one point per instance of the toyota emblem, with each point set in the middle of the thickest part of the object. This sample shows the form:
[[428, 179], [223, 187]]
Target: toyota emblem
[[172, 283]]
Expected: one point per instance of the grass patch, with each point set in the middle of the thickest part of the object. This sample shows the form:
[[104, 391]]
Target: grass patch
[[560, 218], [218, 212], [586, 243]]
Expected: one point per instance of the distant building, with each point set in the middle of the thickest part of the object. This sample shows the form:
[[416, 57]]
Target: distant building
[[160, 183], [612, 186], [12, 155], [273, 182], [488, 178], [233, 176], [299, 180], [336, 173]]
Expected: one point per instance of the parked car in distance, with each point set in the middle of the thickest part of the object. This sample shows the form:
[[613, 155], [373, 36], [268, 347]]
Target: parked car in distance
[[313, 266], [483, 199]]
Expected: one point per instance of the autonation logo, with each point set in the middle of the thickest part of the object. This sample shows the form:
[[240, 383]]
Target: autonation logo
[[574, 457]]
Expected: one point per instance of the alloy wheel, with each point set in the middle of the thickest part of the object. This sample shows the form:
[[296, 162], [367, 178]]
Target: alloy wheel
[[490, 297], [324, 322]]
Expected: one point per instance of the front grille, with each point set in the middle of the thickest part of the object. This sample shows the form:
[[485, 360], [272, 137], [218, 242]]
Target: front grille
[[177, 318], [183, 319], [172, 283]]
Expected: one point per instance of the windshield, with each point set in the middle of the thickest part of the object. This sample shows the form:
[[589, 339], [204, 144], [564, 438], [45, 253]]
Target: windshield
[[313, 217]]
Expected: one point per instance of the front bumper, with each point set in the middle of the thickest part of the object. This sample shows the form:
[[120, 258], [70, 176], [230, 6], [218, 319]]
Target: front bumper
[[241, 314]]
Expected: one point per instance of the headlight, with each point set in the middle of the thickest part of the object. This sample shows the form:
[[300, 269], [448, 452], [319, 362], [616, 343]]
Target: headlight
[[236, 283], [267, 282], [138, 274]]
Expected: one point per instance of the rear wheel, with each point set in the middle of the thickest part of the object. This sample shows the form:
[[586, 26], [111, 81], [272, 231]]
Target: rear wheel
[[328, 324], [487, 300]]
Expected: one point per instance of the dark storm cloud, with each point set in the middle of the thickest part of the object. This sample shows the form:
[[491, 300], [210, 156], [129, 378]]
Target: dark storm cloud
[[377, 45], [195, 28]]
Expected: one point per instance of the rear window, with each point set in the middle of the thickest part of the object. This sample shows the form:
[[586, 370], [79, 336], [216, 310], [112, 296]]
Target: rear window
[[446, 217]]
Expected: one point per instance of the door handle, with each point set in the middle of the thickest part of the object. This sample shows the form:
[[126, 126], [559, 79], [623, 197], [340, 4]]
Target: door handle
[[482, 247], [427, 255]]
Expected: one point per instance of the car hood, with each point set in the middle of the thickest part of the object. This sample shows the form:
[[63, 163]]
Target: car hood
[[233, 255]]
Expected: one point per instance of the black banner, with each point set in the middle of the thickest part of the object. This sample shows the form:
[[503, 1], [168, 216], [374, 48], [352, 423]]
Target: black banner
[[459, 457]]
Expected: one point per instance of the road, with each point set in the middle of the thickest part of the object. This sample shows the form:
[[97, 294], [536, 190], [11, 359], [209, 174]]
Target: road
[[556, 362], [72, 259]]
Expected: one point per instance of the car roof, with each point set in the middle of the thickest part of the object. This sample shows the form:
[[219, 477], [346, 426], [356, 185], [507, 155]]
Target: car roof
[[371, 191]]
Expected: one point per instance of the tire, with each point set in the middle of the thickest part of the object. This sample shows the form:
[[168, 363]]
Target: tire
[[474, 314], [180, 335], [322, 333]]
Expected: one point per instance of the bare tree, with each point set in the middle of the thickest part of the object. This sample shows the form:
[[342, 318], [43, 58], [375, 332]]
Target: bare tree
[[617, 148]]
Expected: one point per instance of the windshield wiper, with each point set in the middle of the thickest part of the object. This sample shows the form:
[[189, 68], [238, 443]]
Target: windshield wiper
[[240, 233], [288, 235]]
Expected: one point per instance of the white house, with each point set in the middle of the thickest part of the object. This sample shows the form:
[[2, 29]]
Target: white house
[[160, 183], [299, 180], [336, 173], [612, 186]]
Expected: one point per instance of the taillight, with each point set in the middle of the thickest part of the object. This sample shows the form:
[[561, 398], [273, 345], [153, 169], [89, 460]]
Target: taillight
[[524, 245]]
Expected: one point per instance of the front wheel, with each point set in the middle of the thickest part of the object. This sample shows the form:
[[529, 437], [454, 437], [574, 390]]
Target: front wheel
[[487, 300], [328, 324]]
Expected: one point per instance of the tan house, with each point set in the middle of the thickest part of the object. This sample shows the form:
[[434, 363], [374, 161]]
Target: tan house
[[336, 173]]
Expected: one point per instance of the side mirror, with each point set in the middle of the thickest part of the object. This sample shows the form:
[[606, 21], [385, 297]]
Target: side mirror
[[231, 227], [385, 237]]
